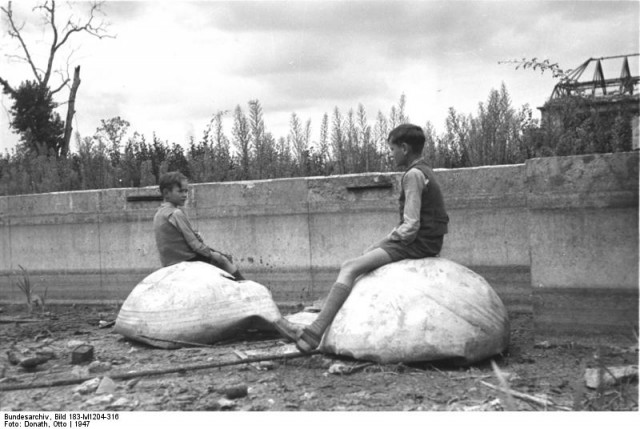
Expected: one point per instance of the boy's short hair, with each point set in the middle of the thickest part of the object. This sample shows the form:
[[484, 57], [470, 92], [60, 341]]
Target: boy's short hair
[[409, 134], [171, 179]]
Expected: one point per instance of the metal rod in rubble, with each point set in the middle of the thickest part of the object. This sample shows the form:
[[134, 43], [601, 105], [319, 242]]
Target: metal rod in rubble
[[159, 371]]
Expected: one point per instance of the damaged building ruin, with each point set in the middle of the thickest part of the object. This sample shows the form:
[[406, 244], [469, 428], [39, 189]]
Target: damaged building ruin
[[606, 97]]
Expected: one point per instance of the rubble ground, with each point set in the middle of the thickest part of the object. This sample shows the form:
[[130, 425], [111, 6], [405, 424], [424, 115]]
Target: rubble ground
[[541, 374]]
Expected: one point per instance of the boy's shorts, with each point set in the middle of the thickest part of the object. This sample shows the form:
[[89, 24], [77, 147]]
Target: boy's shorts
[[422, 247]]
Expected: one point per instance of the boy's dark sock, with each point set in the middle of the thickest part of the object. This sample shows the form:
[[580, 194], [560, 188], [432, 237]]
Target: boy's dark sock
[[337, 296], [237, 275]]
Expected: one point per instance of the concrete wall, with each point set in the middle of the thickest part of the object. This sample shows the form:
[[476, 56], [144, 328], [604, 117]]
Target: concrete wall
[[546, 227], [289, 234], [583, 224]]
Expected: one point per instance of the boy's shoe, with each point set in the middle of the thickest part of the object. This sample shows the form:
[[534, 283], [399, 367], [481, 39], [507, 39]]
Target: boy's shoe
[[308, 341], [288, 330]]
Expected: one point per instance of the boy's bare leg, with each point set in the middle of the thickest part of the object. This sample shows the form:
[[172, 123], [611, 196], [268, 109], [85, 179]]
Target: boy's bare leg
[[222, 262], [369, 261], [349, 271]]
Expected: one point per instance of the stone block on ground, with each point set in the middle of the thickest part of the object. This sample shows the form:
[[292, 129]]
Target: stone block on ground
[[106, 386], [82, 353], [98, 366], [88, 386], [609, 376]]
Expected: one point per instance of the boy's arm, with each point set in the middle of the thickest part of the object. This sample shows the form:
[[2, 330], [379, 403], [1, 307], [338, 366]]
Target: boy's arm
[[180, 221], [413, 184]]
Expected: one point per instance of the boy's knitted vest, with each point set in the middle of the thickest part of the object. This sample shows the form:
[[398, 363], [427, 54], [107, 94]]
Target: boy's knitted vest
[[433, 216]]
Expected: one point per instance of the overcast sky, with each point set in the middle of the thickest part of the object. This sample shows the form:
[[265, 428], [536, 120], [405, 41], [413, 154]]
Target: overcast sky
[[174, 64]]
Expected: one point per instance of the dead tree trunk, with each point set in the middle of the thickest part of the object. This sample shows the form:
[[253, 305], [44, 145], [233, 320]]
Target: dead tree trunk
[[64, 150]]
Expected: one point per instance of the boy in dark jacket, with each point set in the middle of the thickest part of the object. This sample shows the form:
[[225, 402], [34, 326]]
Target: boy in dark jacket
[[176, 239]]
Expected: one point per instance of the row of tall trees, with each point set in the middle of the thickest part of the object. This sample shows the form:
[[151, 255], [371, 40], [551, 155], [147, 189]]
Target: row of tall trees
[[345, 143]]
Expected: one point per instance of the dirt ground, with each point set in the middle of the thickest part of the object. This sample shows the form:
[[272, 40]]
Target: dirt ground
[[547, 374]]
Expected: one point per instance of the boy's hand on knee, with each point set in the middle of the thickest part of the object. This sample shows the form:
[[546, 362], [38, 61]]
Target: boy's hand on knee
[[216, 255], [228, 257], [221, 259]]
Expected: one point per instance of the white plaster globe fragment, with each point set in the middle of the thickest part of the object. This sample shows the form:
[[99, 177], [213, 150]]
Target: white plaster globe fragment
[[193, 302], [419, 310]]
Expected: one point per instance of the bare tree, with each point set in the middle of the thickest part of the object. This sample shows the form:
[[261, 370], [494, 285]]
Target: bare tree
[[296, 139], [364, 136], [256, 125], [323, 148], [242, 139], [60, 35], [402, 103], [338, 140], [381, 131], [307, 134], [352, 145]]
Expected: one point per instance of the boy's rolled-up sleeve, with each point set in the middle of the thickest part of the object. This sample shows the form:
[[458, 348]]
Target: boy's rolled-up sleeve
[[413, 184], [181, 222]]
